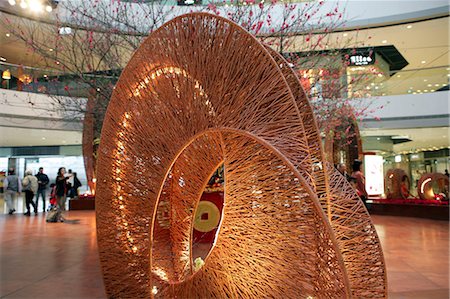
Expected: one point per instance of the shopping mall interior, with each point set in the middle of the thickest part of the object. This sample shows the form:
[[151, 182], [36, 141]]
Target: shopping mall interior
[[369, 80]]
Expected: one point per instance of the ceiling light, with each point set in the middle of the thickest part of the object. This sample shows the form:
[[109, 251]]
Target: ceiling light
[[51, 50], [23, 4], [345, 34], [429, 85], [425, 90], [2, 58], [8, 34], [12, 2], [414, 92], [425, 80], [384, 41], [409, 27], [43, 138], [423, 61], [45, 76], [432, 90], [35, 5], [418, 90], [398, 76], [436, 85], [380, 75], [48, 8]]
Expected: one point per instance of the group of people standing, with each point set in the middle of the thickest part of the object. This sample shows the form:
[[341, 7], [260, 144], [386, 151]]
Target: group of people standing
[[356, 179], [66, 185]]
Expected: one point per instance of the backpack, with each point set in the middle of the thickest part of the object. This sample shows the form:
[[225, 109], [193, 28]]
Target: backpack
[[30, 183]]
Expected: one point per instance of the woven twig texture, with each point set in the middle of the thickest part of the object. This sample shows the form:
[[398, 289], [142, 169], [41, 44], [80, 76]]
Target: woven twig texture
[[431, 183], [201, 92]]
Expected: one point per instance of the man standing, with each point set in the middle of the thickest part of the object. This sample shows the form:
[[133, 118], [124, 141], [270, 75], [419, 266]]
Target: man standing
[[43, 182], [12, 186]]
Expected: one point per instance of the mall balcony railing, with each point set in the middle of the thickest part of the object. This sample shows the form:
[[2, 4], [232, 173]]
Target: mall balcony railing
[[52, 83], [408, 81]]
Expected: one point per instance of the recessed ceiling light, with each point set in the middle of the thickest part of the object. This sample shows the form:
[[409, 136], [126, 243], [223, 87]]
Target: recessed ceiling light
[[384, 41], [414, 92], [436, 85], [64, 141], [51, 50], [409, 27], [444, 84], [2, 58], [12, 2], [23, 4], [398, 76], [425, 80], [345, 34], [8, 34], [429, 85], [378, 138], [425, 90], [419, 90], [432, 90], [423, 61], [48, 8], [43, 138]]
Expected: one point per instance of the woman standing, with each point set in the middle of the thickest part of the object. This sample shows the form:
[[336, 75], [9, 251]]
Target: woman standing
[[360, 180], [61, 188], [30, 186]]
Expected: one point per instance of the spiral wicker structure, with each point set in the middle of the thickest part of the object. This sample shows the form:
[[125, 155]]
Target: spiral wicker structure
[[199, 92], [429, 183], [393, 183]]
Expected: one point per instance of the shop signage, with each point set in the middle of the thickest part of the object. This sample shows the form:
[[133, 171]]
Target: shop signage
[[361, 57]]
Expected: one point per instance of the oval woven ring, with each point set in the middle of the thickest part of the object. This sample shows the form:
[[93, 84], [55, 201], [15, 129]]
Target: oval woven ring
[[201, 92]]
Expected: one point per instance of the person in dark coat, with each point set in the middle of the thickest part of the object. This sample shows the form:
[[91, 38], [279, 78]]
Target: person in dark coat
[[43, 182], [61, 188]]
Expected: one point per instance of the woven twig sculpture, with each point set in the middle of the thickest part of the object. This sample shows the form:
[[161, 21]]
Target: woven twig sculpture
[[394, 178], [431, 183], [199, 92]]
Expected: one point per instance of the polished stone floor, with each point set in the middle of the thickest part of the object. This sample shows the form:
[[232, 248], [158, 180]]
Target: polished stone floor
[[60, 260]]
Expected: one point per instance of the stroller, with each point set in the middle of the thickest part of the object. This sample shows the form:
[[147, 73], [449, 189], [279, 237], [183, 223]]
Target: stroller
[[54, 213]]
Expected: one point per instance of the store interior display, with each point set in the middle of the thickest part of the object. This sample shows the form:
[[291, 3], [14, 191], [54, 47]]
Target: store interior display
[[199, 93]]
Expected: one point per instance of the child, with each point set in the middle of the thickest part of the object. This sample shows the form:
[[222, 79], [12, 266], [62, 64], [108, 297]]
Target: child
[[52, 197]]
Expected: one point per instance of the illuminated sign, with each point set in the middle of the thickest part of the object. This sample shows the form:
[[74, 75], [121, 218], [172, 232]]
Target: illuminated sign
[[373, 171], [361, 57]]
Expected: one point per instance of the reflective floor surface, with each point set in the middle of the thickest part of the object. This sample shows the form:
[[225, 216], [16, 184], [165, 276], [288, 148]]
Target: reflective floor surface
[[60, 260]]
